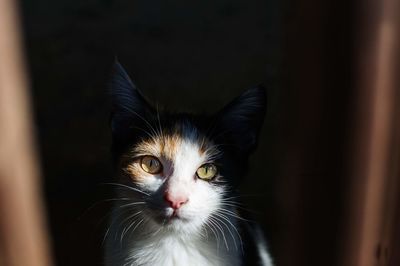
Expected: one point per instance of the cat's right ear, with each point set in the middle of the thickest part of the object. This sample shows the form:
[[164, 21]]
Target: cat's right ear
[[129, 107], [241, 120]]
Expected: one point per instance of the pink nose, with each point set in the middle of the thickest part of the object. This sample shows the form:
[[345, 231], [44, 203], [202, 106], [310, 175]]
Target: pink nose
[[175, 201]]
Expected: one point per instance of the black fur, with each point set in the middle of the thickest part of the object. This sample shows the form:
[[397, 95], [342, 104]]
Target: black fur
[[235, 129]]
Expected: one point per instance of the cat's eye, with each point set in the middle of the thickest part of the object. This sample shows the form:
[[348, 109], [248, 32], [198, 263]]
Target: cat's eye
[[207, 171], [151, 164]]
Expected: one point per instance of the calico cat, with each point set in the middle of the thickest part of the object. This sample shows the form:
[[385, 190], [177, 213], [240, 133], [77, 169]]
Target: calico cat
[[176, 175]]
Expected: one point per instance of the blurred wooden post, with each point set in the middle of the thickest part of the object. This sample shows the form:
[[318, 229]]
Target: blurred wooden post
[[23, 240], [375, 176]]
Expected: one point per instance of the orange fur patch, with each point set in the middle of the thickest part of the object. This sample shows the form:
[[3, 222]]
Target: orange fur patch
[[164, 147]]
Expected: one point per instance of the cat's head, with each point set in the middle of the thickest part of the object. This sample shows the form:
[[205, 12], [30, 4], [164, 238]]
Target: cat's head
[[180, 169]]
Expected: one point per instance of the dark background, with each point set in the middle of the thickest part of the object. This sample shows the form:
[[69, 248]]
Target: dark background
[[197, 55]]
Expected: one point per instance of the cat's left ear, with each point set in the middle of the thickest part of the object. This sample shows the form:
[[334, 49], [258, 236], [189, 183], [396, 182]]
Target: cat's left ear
[[241, 120]]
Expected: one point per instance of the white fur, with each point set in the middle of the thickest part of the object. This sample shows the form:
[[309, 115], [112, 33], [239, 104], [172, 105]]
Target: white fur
[[192, 240], [265, 257]]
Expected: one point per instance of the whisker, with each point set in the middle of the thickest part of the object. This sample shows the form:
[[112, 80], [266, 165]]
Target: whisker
[[159, 123], [233, 214], [234, 227], [128, 187], [105, 235], [136, 226], [117, 213], [147, 122], [221, 230], [238, 203], [241, 207], [231, 198], [227, 227], [99, 202], [209, 225], [204, 234], [145, 131], [126, 229], [159, 229], [132, 204]]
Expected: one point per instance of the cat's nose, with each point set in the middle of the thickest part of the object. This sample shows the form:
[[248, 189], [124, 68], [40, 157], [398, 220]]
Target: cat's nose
[[175, 201]]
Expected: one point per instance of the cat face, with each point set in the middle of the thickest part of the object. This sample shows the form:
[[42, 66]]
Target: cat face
[[178, 170], [175, 170]]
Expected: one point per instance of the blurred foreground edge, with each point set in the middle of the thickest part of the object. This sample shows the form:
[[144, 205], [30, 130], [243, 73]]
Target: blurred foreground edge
[[23, 237], [371, 229]]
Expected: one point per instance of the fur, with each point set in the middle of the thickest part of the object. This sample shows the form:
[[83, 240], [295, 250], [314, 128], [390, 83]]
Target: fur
[[207, 229]]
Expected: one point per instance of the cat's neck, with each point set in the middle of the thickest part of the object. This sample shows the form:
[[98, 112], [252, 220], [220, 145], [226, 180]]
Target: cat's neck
[[169, 248], [152, 245]]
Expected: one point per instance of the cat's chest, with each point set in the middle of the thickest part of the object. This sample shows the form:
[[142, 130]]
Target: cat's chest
[[172, 251]]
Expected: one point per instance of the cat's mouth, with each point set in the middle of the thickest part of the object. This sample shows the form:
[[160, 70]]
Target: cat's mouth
[[177, 216], [170, 216]]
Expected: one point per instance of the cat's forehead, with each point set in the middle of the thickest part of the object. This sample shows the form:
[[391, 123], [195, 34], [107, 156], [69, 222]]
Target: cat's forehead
[[168, 142]]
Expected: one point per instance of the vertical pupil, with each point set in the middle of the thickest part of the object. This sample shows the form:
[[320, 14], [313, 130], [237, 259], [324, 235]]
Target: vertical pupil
[[151, 163]]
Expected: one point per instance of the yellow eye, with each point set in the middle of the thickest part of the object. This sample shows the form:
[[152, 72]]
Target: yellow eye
[[207, 171], [150, 164]]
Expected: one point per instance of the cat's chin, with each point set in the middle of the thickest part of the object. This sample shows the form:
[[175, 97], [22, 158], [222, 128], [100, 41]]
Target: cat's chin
[[170, 219], [168, 222]]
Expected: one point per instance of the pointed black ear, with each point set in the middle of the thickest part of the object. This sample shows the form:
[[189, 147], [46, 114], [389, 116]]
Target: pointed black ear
[[242, 119], [129, 107]]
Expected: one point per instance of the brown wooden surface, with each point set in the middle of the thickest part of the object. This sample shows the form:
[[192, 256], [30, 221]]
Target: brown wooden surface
[[374, 186], [22, 233]]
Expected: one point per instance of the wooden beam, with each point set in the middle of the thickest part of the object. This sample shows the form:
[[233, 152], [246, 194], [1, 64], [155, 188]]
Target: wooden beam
[[374, 177], [23, 239]]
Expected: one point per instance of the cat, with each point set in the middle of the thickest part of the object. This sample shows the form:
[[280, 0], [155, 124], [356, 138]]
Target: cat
[[176, 177]]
